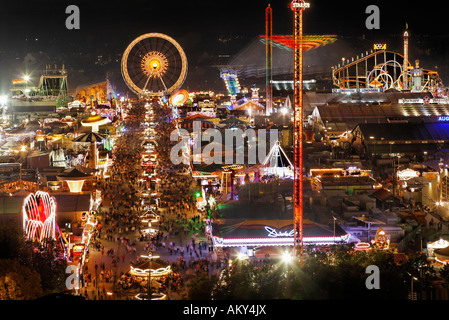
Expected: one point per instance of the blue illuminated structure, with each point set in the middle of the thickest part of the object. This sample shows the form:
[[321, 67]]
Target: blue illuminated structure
[[231, 80]]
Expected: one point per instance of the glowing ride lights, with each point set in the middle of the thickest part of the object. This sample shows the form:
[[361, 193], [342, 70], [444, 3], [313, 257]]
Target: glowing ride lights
[[178, 98], [39, 214], [154, 64], [95, 121], [407, 174], [362, 246], [298, 7], [439, 244], [160, 272]]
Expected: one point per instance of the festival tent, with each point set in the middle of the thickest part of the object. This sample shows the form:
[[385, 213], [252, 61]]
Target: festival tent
[[233, 121], [190, 123]]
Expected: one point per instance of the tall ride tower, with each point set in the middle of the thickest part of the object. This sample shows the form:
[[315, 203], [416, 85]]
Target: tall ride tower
[[268, 60], [405, 64], [298, 6]]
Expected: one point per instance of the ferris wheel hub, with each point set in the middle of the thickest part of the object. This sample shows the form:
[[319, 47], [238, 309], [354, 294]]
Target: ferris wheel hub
[[154, 64]]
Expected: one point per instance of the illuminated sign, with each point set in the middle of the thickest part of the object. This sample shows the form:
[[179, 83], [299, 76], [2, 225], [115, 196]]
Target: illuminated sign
[[443, 118], [425, 100], [301, 4], [407, 174], [274, 234], [380, 46]]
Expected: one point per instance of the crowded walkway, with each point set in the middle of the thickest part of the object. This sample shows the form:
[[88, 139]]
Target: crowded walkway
[[122, 239]]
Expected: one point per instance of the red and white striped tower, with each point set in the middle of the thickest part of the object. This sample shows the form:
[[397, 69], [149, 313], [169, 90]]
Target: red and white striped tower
[[298, 6]]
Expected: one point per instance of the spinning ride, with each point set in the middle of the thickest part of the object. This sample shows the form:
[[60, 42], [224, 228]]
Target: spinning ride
[[39, 214], [154, 64]]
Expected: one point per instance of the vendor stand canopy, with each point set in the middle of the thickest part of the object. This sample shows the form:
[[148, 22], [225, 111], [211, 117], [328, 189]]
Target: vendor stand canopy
[[233, 121], [188, 124], [75, 179], [90, 137]]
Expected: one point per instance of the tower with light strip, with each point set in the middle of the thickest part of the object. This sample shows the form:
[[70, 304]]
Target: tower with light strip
[[269, 60], [405, 65], [298, 6]]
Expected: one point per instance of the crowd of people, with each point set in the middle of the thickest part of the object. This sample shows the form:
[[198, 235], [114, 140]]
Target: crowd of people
[[176, 208]]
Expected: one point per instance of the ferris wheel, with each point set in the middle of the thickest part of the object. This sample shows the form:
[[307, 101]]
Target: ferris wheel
[[154, 64]]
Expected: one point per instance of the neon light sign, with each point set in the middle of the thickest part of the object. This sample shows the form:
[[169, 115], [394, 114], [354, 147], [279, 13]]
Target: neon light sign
[[300, 4], [380, 46], [274, 234], [443, 118]]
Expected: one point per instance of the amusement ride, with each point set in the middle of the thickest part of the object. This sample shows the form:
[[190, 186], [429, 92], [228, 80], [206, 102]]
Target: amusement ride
[[154, 64], [382, 70]]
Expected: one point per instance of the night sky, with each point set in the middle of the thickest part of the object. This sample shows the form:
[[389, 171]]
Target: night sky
[[205, 29]]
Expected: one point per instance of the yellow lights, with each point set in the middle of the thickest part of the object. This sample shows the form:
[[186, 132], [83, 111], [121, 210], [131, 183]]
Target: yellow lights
[[362, 246], [155, 296], [160, 272], [154, 64], [178, 98], [287, 257], [3, 100], [75, 186], [241, 256]]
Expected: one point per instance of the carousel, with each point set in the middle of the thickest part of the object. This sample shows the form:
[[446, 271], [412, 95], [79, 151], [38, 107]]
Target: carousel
[[437, 249], [95, 121], [157, 270], [442, 255]]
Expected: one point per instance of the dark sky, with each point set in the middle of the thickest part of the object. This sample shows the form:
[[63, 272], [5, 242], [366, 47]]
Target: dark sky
[[204, 29]]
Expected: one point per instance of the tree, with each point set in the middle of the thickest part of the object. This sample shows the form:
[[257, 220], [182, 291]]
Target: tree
[[50, 268], [444, 274], [244, 281], [200, 287], [18, 282], [23, 261]]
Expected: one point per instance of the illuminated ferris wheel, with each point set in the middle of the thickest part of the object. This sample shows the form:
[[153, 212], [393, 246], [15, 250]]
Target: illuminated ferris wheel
[[154, 64]]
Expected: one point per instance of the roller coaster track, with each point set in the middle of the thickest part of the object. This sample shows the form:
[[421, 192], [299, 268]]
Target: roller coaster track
[[375, 70], [363, 67]]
